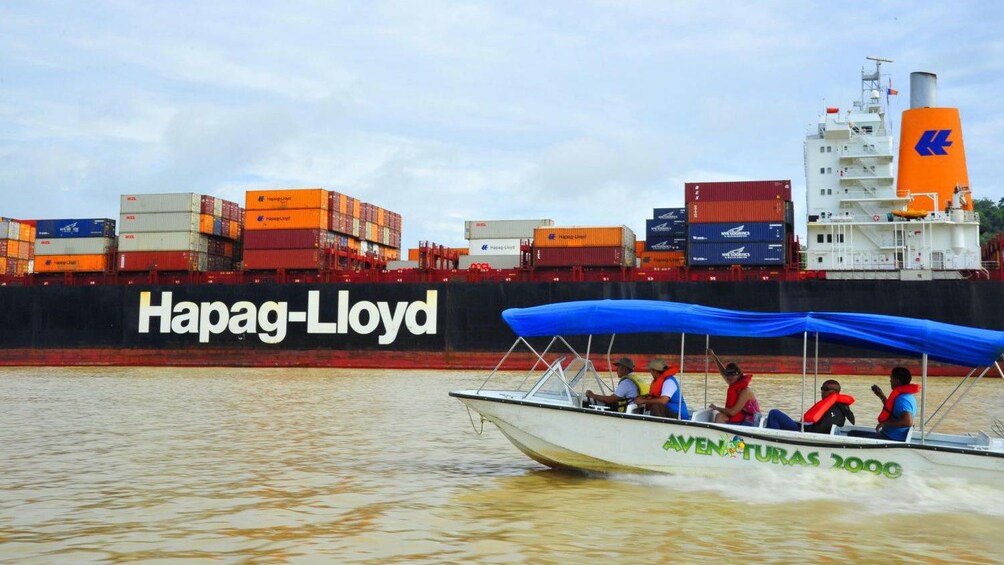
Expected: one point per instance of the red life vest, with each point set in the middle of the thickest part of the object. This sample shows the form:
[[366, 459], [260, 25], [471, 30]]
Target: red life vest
[[812, 415], [732, 395], [656, 388], [903, 389]]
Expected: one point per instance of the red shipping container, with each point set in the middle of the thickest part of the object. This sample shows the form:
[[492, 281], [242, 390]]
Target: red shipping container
[[268, 259], [582, 257], [162, 261], [285, 239], [208, 202], [737, 190], [735, 211]]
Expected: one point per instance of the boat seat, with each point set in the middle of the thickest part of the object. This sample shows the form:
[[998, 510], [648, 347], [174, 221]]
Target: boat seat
[[759, 420], [704, 415]]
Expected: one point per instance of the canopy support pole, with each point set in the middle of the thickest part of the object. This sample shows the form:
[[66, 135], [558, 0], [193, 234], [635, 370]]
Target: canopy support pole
[[815, 370], [679, 378], [707, 366], [923, 395], [805, 365], [956, 401], [610, 372]]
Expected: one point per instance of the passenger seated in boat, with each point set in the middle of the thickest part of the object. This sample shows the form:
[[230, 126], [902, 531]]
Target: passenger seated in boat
[[833, 409], [628, 387], [741, 404], [664, 398], [898, 409]]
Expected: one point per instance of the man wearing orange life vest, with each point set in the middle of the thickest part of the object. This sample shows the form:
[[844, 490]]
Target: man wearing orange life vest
[[833, 409], [898, 409], [664, 398]]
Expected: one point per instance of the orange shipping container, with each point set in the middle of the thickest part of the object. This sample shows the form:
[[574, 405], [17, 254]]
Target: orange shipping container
[[736, 211], [23, 250], [24, 232], [71, 263], [287, 199], [357, 208], [206, 224], [381, 217], [663, 259], [639, 248], [286, 219], [616, 236], [413, 254]]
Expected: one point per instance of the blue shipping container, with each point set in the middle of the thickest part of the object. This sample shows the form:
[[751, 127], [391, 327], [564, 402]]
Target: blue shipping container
[[665, 228], [719, 254], [742, 232], [669, 214], [76, 227], [666, 244]]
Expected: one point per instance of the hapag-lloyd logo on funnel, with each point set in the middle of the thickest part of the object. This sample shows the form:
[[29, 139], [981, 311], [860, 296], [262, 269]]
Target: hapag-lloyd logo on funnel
[[270, 320]]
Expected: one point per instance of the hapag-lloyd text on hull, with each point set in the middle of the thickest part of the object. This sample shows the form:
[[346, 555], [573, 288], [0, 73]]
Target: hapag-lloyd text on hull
[[270, 320]]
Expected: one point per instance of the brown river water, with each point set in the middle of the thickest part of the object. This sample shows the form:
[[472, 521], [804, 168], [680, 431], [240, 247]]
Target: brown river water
[[111, 465]]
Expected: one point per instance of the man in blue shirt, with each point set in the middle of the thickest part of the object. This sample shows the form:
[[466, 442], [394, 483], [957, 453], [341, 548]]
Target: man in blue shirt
[[626, 390], [898, 408]]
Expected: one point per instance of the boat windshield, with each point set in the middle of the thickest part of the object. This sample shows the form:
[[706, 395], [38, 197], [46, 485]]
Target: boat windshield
[[566, 384]]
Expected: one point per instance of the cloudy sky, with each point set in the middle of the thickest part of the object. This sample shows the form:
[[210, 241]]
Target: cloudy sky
[[587, 112]]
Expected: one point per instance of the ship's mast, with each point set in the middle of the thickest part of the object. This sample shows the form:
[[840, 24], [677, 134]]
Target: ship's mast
[[871, 88]]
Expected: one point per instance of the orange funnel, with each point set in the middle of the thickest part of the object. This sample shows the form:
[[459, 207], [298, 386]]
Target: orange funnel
[[932, 158]]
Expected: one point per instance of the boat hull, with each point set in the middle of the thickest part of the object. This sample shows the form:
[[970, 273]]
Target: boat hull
[[590, 440]]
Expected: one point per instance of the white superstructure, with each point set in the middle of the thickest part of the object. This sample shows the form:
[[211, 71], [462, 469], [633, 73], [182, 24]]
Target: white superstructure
[[851, 195]]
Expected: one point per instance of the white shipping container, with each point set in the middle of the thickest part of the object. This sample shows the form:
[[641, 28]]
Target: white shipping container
[[503, 229], [159, 222], [173, 202], [74, 246], [395, 265], [164, 241], [9, 229], [494, 246], [493, 261]]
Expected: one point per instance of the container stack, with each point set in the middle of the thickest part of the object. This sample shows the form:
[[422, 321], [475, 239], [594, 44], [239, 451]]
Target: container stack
[[665, 239], [496, 243], [78, 245], [299, 229], [584, 247], [16, 246], [747, 223], [178, 232]]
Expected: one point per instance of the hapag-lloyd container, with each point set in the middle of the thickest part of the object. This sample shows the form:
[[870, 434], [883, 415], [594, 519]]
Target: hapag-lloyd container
[[503, 229], [71, 263], [737, 191], [584, 256], [742, 232], [295, 198], [158, 222], [494, 246], [313, 218], [732, 211], [671, 214], [75, 227], [173, 202], [288, 239], [269, 259], [162, 261], [164, 241], [74, 246], [662, 259], [613, 236], [720, 254], [491, 261]]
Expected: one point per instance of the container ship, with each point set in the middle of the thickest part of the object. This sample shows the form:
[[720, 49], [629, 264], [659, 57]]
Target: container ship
[[316, 278]]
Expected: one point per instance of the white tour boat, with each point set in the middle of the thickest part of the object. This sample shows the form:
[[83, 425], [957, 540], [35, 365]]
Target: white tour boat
[[549, 421]]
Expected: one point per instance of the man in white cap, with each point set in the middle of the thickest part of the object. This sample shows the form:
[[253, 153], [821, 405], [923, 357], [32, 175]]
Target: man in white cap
[[627, 387], [664, 398]]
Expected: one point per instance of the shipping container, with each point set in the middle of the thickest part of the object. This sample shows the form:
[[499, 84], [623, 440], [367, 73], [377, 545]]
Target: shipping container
[[89, 227], [736, 211], [619, 256], [613, 236], [639, 247], [160, 203], [742, 232], [289, 239], [72, 263], [286, 219], [9, 229], [737, 191], [394, 265], [4, 246], [158, 222], [494, 246], [746, 254], [665, 228], [164, 241], [672, 214], [666, 244], [74, 246], [286, 199], [24, 250], [270, 259], [489, 261], [662, 259], [163, 261], [502, 229]]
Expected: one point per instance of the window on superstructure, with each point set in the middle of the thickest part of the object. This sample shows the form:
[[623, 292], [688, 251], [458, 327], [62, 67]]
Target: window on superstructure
[[829, 170], [819, 259], [840, 238], [822, 192], [821, 148], [829, 238], [822, 170], [829, 191], [819, 238], [829, 149]]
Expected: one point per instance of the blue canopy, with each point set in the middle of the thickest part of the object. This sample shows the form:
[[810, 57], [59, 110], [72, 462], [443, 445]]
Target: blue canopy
[[960, 345]]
